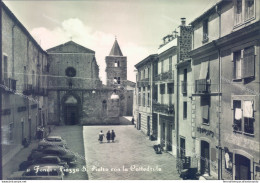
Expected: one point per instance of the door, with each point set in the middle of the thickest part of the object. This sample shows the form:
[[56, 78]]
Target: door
[[169, 137], [205, 157], [242, 168], [148, 125], [182, 147], [71, 115], [139, 121], [163, 135], [30, 129], [154, 126]]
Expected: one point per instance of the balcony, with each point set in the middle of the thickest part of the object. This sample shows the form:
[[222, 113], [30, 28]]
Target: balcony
[[202, 86], [164, 108], [143, 82], [164, 76], [28, 89], [10, 85], [184, 87]]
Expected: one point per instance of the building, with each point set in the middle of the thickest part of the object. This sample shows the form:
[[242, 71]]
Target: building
[[225, 62], [144, 89], [174, 49], [76, 94], [24, 86], [186, 141], [116, 68]]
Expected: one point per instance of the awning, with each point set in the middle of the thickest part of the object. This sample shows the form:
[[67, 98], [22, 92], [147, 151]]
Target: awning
[[204, 70]]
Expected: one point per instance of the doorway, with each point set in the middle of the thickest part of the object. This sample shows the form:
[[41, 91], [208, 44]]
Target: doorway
[[182, 147], [204, 160], [30, 129], [148, 125], [71, 110], [242, 168], [71, 114], [169, 137]]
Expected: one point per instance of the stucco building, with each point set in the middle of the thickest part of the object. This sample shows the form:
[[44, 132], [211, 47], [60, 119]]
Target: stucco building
[[225, 65], [24, 85], [144, 89]]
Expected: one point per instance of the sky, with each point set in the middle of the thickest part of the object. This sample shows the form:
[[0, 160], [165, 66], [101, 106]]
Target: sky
[[138, 25]]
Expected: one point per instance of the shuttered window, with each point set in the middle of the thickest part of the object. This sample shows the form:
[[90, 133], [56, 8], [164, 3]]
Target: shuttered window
[[249, 62]]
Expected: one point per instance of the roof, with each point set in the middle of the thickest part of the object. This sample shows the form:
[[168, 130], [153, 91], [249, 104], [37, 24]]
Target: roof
[[209, 11], [146, 60], [116, 51], [70, 47], [13, 17]]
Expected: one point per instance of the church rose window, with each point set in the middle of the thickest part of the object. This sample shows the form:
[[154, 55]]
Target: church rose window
[[70, 72]]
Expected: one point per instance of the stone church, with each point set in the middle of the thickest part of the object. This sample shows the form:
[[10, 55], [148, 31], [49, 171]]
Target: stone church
[[76, 93]]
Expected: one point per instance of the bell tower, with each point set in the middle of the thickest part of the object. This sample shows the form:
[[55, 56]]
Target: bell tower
[[116, 67]]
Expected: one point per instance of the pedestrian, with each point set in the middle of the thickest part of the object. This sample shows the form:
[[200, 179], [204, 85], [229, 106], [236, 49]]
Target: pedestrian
[[100, 137], [108, 136], [113, 135], [133, 120]]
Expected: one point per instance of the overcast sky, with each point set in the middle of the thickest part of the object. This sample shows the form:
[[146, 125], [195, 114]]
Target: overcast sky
[[139, 25]]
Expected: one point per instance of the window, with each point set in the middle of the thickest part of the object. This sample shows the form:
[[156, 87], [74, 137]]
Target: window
[[238, 12], [170, 63], [33, 78], [148, 72], [139, 96], [155, 93], [170, 87], [162, 92], [143, 96], [117, 64], [148, 96], [243, 116], [70, 72], [116, 80], [159, 67], [156, 68], [205, 31], [205, 105], [184, 110], [143, 73], [11, 131], [237, 65], [5, 67], [166, 65], [249, 9], [244, 63], [244, 10]]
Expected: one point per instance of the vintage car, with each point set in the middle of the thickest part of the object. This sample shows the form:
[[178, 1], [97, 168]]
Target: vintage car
[[39, 172], [63, 154], [52, 141], [55, 160]]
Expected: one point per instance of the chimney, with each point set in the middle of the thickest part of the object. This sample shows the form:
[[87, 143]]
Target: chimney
[[183, 21]]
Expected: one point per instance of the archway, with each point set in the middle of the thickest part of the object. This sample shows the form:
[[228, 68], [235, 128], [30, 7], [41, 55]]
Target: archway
[[71, 110]]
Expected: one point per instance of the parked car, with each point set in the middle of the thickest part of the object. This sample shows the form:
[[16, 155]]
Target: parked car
[[63, 154], [52, 141], [55, 160], [38, 172]]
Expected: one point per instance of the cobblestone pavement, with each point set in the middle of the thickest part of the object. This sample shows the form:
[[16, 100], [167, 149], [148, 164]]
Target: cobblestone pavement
[[131, 151], [73, 136]]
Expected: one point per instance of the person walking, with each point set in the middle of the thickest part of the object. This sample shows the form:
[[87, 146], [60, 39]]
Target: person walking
[[133, 120], [108, 136], [113, 135], [101, 135]]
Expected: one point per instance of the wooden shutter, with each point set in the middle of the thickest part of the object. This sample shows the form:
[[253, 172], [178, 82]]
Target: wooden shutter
[[248, 62]]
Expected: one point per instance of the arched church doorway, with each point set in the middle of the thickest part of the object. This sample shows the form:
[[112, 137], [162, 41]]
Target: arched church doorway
[[71, 111]]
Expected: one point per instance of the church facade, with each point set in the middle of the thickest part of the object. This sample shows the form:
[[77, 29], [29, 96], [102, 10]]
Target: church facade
[[77, 95]]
